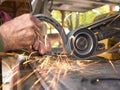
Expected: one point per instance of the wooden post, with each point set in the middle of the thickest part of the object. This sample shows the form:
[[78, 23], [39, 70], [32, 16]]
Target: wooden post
[[62, 17]]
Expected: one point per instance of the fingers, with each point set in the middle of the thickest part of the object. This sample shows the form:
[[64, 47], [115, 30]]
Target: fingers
[[42, 45], [39, 43], [39, 46], [36, 45], [47, 43], [28, 32], [42, 48], [37, 22]]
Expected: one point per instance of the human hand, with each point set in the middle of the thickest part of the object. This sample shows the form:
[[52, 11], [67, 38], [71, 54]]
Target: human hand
[[42, 44], [21, 33]]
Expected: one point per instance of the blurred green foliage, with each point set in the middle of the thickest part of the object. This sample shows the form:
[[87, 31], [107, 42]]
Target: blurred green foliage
[[74, 20]]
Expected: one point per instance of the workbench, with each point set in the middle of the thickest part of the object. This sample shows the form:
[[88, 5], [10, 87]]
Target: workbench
[[97, 74]]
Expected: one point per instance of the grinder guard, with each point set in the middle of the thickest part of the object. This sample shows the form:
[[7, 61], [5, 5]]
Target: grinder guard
[[82, 43]]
